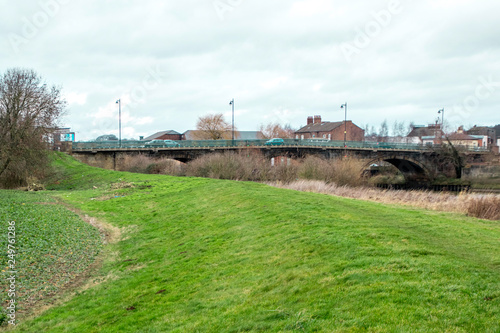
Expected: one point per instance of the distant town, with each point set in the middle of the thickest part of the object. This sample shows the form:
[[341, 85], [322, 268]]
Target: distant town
[[316, 129]]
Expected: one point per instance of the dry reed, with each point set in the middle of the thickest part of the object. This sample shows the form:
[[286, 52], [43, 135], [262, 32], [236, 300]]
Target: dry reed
[[481, 206]]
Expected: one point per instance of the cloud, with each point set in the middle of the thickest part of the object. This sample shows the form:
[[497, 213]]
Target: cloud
[[280, 60], [74, 98]]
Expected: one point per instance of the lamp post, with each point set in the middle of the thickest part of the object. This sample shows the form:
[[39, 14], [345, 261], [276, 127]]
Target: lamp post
[[119, 102], [441, 111], [232, 104], [344, 106]]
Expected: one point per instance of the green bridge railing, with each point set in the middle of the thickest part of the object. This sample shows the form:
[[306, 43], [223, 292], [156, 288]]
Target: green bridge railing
[[129, 144]]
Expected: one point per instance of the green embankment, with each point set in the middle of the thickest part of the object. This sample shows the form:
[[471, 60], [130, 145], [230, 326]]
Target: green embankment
[[49, 246], [221, 256]]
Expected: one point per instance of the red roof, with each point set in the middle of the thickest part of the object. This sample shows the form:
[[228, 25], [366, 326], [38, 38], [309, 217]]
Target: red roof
[[461, 136]]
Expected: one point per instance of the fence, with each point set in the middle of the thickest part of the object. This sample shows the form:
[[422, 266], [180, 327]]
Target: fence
[[126, 144]]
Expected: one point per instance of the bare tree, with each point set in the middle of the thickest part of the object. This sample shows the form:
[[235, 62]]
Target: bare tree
[[384, 131], [275, 130], [29, 110], [213, 127]]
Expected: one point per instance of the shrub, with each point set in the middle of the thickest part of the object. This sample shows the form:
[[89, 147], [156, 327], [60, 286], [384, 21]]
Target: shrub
[[313, 167], [166, 166], [285, 173], [346, 171], [243, 166], [484, 208], [135, 163]]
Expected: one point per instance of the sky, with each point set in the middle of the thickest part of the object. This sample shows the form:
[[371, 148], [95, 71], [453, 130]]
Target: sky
[[171, 62]]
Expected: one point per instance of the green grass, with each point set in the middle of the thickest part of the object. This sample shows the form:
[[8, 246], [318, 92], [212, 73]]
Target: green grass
[[202, 255], [52, 245]]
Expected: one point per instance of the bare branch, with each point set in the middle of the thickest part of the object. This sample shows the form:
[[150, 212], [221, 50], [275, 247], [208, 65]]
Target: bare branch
[[29, 110]]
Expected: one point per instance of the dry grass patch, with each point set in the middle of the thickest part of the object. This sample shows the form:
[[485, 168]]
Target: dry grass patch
[[480, 206], [486, 207]]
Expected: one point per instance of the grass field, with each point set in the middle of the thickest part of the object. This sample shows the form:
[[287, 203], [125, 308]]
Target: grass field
[[52, 245], [202, 255]]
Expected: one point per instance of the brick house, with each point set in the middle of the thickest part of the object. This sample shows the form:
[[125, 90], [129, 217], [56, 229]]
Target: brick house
[[332, 131], [460, 138], [164, 135], [488, 133]]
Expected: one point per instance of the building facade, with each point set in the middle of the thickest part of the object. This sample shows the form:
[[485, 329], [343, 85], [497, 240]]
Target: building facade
[[164, 135], [317, 129]]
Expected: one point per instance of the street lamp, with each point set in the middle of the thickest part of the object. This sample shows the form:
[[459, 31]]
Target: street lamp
[[232, 104], [344, 106], [441, 111], [119, 102]]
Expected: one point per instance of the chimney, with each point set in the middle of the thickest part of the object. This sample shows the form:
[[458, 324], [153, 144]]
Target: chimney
[[309, 120], [460, 130], [317, 119]]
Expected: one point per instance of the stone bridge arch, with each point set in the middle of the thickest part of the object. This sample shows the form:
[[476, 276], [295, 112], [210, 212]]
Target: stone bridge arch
[[412, 170]]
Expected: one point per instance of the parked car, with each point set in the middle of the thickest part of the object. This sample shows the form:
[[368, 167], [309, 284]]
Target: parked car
[[161, 143], [275, 142]]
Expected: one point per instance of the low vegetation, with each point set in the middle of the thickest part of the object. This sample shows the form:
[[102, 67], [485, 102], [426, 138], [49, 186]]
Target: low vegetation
[[53, 245], [313, 174], [485, 207], [476, 205], [204, 255], [252, 166]]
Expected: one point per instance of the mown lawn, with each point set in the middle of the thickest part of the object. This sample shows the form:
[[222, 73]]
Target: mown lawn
[[202, 255]]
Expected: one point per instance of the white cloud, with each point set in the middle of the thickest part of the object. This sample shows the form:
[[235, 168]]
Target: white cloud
[[74, 98], [275, 82], [279, 60], [310, 8]]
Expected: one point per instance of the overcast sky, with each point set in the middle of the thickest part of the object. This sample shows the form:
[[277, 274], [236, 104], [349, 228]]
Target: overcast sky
[[171, 62]]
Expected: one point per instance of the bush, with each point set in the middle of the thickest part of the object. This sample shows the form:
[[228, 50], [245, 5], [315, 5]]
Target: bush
[[484, 208], [248, 166], [252, 166], [347, 171], [285, 173], [166, 167], [135, 163], [314, 168], [145, 164]]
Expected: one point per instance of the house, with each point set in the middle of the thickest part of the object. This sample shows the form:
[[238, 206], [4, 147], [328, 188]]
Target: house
[[164, 135], [318, 129], [487, 133], [497, 131], [424, 134], [460, 138]]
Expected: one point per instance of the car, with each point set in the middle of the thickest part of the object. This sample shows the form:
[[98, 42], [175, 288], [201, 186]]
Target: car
[[171, 143], [161, 143], [275, 142], [154, 143]]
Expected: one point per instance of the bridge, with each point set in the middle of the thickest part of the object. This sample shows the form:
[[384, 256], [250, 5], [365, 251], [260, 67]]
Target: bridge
[[418, 163]]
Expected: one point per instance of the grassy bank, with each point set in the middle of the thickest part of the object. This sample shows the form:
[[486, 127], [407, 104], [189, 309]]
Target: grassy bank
[[223, 256], [52, 246], [485, 206]]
